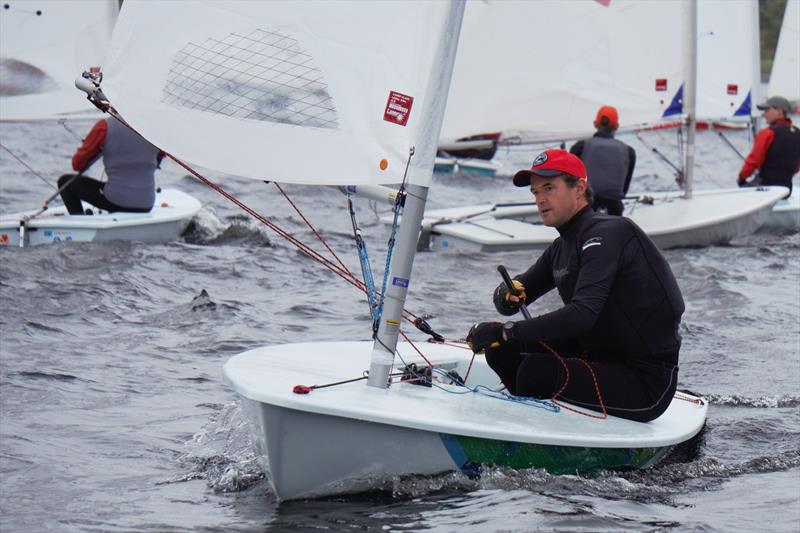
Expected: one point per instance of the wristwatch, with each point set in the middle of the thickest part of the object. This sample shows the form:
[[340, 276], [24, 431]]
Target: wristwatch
[[508, 330]]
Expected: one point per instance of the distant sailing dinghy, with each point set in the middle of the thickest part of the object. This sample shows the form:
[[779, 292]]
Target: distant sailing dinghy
[[669, 219], [455, 165], [653, 81], [351, 93], [785, 81], [786, 213], [167, 220]]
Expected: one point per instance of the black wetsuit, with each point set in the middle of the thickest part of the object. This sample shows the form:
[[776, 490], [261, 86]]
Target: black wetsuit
[[621, 315]]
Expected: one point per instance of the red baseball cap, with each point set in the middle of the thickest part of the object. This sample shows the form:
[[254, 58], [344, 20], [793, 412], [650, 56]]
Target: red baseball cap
[[551, 163], [610, 113]]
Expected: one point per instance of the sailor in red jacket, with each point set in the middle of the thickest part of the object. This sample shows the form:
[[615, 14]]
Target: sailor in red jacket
[[776, 148], [130, 164]]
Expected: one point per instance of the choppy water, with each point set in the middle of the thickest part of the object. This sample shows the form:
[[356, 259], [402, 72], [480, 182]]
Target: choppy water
[[114, 417]]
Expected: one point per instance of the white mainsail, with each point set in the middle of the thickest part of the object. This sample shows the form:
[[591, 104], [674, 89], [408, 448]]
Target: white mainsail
[[44, 45], [543, 68], [265, 90], [785, 78], [540, 70], [728, 61]]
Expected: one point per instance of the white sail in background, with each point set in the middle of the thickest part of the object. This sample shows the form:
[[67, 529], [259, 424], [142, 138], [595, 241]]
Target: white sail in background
[[785, 78], [542, 69], [727, 58], [265, 90], [545, 67], [44, 46]]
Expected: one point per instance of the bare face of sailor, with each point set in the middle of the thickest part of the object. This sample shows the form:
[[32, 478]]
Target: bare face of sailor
[[556, 200]]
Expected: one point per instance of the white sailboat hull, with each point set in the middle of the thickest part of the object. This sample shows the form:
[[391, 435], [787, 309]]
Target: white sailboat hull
[[453, 165], [171, 214], [709, 217], [786, 214], [349, 438]]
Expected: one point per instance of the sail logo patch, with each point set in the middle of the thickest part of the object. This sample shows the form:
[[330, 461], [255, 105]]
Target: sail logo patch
[[398, 107], [594, 241], [541, 158], [400, 282]]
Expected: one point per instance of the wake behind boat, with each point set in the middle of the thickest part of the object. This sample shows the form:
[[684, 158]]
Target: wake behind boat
[[171, 214]]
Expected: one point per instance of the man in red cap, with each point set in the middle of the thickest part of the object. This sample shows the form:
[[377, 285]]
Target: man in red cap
[[608, 161], [614, 344], [776, 148]]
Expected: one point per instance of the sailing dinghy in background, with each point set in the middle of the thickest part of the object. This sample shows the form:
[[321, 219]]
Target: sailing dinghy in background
[[44, 44], [545, 98], [785, 81], [348, 94], [171, 214]]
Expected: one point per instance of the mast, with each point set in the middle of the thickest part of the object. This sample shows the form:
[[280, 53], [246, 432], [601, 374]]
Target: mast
[[690, 92], [422, 158], [755, 91]]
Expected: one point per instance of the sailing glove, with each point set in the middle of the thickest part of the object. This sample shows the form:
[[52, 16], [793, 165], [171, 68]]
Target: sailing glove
[[485, 335], [504, 300]]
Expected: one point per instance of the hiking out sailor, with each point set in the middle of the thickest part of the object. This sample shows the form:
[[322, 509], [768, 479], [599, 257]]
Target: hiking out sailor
[[609, 162], [614, 344], [776, 148], [130, 164]]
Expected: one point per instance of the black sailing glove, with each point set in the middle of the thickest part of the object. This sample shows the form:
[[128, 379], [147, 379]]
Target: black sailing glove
[[501, 296], [485, 335]]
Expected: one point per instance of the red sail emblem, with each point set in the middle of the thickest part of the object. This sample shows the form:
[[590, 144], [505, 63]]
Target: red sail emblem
[[398, 108]]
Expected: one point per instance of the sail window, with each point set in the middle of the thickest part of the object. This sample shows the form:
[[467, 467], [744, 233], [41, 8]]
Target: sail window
[[265, 75]]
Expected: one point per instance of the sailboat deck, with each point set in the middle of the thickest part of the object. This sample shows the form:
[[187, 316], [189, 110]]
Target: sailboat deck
[[269, 374]]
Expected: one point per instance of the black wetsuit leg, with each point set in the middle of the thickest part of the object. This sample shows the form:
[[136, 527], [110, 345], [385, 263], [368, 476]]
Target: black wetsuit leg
[[82, 188], [640, 392], [89, 190], [612, 207], [506, 359]]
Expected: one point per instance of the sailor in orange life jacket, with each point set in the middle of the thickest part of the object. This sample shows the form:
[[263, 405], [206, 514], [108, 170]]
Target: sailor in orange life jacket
[[130, 163], [617, 333], [776, 148]]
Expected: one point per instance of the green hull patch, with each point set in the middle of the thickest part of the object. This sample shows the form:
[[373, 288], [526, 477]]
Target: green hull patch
[[469, 453]]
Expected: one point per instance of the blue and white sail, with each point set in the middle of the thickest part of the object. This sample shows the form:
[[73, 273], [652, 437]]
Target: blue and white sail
[[540, 70]]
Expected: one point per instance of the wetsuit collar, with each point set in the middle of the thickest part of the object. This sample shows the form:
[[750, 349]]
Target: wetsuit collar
[[604, 133], [570, 228]]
